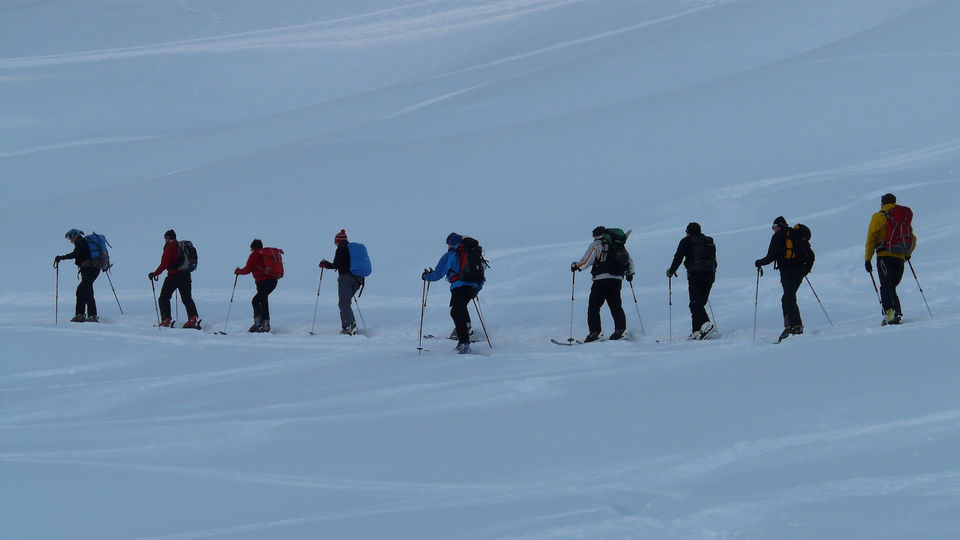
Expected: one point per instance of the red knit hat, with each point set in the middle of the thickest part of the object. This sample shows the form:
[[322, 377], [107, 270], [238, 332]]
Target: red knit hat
[[340, 237]]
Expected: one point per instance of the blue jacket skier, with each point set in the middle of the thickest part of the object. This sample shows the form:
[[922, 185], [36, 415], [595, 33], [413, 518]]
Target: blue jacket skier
[[461, 291]]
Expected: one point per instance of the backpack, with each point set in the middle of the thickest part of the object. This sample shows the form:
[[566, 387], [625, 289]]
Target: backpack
[[704, 254], [272, 262], [899, 230], [798, 251], [359, 260], [472, 263], [99, 257], [187, 261], [613, 258]]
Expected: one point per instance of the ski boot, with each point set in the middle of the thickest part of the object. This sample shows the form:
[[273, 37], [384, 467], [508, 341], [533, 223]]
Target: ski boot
[[463, 348], [889, 316], [79, 317], [705, 330], [92, 318], [191, 322], [796, 329], [166, 322], [618, 333], [257, 321], [592, 336], [349, 330], [265, 326], [787, 330]]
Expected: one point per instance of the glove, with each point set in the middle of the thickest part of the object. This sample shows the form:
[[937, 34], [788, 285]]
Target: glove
[[236, 271], [574, 267], [326, 264], [757, 263], [670, 274], [56, 261], [630, 277], [907, 256], [868, 266], [152, 276], [426, 271]]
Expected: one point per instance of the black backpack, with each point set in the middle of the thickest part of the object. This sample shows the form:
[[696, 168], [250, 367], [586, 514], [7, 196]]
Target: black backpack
[[472, 263], [614, 258], [798, 250], [704, 254], [187, 261]]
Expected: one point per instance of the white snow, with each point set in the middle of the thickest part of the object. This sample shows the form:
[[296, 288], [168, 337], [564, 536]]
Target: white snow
[[525, 123]]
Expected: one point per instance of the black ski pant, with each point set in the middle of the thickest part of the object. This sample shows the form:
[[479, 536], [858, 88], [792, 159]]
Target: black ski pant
[[606, 290], [177, 282], [791, 278], [459, 299], [699, 285], [261, 304], [85, 301], [347, 286], [890, 271]]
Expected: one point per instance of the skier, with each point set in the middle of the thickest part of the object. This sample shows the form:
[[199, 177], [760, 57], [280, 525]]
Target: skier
[[791, 276], [889, 263], [86, 304], [461, 291], [347, 283], [265, 285], [699, 255], [611, 263], [176, 279]]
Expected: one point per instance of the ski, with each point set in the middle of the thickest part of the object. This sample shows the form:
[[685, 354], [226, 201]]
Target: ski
[[473, 338], [567, 343], [197, 326], [172, 323]]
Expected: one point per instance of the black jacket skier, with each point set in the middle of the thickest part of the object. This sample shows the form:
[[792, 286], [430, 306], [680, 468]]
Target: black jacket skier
[[699, 256], [86, 308], [791, 277]]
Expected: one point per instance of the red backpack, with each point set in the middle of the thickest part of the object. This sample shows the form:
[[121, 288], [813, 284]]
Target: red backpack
[[899, 230], [272, 262]]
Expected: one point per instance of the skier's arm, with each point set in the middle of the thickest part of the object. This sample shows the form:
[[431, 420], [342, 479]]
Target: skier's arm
[[443, 266], [874, 235], [678, 256], [777, 248], [249, 266], [168, 259], [590, 256]]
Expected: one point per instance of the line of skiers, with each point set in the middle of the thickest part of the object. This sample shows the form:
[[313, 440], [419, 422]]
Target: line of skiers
[[890, 237]]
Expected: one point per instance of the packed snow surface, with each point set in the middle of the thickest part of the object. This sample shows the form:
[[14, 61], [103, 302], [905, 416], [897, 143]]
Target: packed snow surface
[[523, 123]]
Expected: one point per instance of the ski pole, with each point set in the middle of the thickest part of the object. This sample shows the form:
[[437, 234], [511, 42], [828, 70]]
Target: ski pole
[[110, 281], [919, 287], [875, 289], [317, 303], [176, 304], [360, 313], [423, 307], [56, 302], [573, 290], [635, 303], [712, 316], [476, 306], [670, 302], [155, 305], [818, 299], [230, 305], [756, 299]]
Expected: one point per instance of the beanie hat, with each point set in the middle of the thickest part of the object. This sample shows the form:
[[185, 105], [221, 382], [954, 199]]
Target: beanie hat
[[170, 235], [599, 230], [780, 222], [256, 244], [340, 237], [453, 239], [693, 227], [889, 198]]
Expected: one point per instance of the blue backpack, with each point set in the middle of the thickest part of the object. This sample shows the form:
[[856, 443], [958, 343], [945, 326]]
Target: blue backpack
[[359, 260], [99, 257]]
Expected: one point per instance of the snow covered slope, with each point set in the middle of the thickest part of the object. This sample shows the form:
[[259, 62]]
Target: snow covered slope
[[525, 123]]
